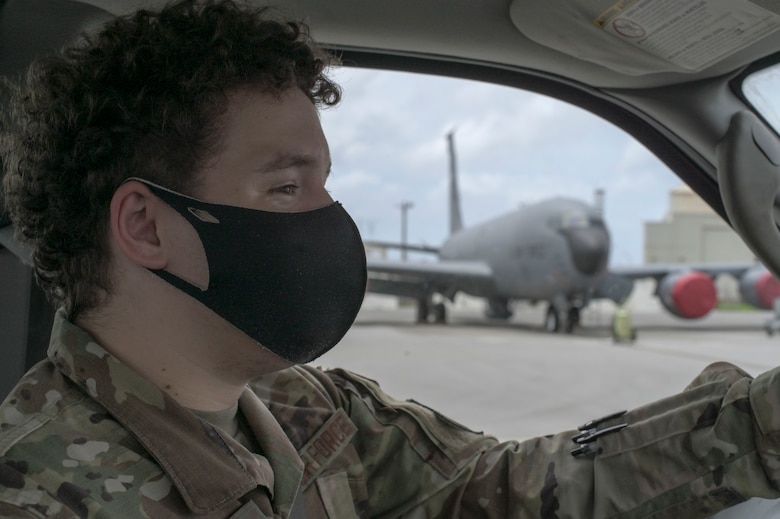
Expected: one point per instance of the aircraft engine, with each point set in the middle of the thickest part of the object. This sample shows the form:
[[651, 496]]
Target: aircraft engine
[[689, 295], [759, 288]]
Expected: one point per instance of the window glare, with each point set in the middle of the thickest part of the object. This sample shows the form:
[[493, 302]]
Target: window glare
[[762, 90]]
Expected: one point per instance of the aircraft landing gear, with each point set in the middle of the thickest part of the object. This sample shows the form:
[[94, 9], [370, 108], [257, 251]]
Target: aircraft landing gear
[[572, 319], [498, 309], [426, 309], [423, 309], [439, 313], [553, 322]]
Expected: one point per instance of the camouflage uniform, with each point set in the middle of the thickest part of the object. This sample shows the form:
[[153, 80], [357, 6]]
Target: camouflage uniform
[[85, 436]]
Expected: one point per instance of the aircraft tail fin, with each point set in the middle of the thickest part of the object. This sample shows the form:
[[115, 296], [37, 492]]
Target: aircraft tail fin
[[456, 221]]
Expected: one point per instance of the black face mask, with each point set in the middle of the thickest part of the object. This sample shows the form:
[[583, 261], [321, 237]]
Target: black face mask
[[293, 282]]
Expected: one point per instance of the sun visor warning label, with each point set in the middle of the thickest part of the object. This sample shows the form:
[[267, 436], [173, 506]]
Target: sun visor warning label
[[692, 34]]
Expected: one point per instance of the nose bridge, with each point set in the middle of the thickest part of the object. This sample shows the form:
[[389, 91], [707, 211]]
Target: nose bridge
[[315, 197]]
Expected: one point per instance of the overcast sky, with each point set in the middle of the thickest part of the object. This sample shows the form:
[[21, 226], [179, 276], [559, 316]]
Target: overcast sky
[[388, 144]]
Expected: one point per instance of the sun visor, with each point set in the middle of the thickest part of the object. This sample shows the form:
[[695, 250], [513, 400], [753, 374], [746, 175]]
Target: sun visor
[[638, 37]]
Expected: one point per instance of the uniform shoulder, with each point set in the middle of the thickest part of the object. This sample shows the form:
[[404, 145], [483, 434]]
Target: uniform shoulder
[[61, 453], [39, 397]]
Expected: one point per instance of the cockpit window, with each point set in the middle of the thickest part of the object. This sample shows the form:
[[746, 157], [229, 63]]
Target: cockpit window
[[762, 90], [574, 221], [596, 222]]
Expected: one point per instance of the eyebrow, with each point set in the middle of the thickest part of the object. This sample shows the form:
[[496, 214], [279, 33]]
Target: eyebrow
[[290, 161]]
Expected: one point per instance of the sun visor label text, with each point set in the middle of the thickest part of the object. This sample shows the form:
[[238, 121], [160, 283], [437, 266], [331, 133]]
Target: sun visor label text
[[691, 34]]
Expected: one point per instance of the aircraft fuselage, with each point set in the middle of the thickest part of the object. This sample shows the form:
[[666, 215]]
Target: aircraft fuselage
[[554, 248]]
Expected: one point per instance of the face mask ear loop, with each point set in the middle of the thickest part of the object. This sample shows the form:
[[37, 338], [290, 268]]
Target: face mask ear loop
[[194, 216], [182, 284]]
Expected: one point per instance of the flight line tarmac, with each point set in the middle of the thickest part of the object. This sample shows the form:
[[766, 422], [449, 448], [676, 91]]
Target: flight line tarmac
[[515, 381]]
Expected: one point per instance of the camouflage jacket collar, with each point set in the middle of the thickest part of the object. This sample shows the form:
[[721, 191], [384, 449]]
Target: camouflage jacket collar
[[208, 468]]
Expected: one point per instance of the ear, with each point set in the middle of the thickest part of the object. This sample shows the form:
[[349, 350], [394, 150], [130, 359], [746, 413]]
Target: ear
[[135, 214]]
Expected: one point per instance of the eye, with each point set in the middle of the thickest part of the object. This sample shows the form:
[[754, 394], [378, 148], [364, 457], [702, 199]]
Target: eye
[[287, 189]]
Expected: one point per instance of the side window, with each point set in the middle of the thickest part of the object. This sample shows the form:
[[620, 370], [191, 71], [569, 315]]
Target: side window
[[583, 186], [761, 90]]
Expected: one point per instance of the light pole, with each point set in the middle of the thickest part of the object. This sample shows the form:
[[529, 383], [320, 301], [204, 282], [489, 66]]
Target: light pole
[[405, 206]]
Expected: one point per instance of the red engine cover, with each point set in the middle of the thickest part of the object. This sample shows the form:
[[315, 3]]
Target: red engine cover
[[689, 295], [759, 288]]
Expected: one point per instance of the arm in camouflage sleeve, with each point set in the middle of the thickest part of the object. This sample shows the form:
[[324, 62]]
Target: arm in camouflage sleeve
[[689, 455], [13, 512]]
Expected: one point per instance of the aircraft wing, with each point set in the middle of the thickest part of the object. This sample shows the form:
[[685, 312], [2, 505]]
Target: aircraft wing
[[394, 245], [688, 290], [660, 270], [416, 279]]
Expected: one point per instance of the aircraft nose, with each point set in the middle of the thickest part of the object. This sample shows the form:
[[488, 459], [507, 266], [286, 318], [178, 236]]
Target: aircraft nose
[[589, 248]]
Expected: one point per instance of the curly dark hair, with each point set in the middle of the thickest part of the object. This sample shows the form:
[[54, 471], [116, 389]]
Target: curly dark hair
[[142, 97]]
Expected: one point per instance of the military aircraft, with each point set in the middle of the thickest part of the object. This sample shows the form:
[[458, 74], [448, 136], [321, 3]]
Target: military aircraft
[[554, 251]]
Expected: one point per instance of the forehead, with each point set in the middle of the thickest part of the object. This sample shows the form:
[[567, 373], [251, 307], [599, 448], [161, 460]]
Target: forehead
[[264, 125], [254, 108]]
